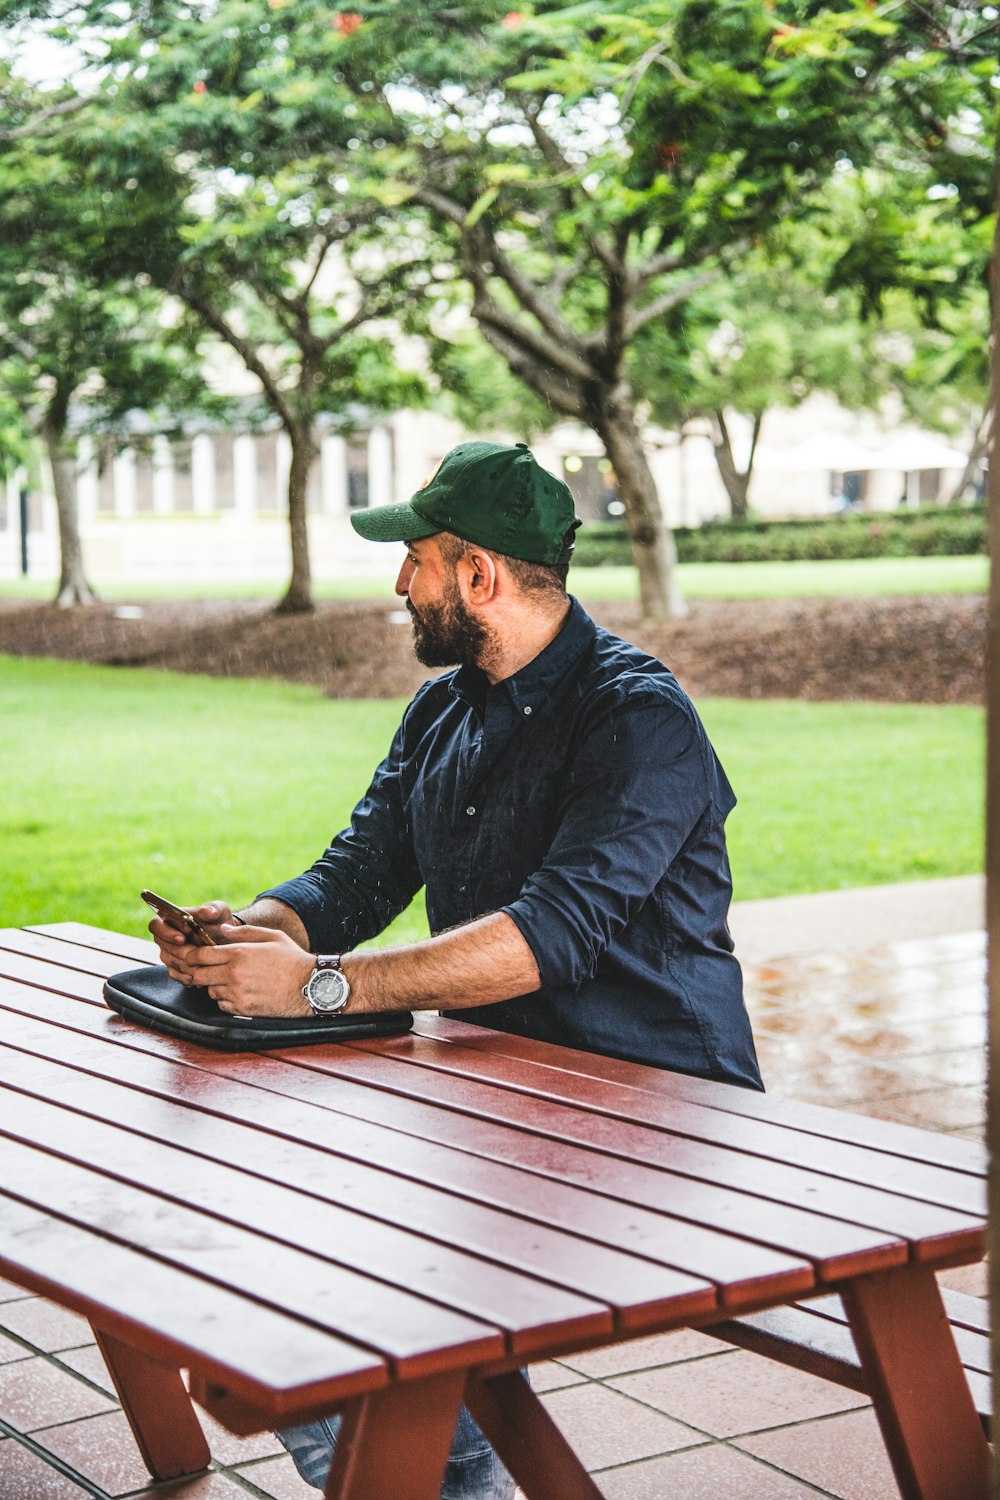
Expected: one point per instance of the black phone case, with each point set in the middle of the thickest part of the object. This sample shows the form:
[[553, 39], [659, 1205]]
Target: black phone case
[[151, 998]]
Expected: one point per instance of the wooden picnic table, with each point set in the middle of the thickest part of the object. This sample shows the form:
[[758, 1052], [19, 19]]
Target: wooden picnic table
[[387, 1228]]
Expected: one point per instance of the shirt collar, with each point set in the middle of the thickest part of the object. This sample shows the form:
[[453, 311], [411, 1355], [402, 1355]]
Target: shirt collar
[[530, 687]]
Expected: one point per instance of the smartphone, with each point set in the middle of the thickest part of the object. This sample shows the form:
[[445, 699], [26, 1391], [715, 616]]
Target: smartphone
[[179, 918]]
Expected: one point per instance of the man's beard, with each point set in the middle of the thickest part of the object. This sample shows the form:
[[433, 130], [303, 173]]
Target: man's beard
[[447, 634]]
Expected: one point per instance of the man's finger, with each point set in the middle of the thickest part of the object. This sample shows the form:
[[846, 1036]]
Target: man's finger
[[234, 933]]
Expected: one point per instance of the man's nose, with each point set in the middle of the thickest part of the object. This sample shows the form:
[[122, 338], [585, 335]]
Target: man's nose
[[403, 581]]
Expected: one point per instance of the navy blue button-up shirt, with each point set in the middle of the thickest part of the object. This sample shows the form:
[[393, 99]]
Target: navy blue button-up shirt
[[582, 797]]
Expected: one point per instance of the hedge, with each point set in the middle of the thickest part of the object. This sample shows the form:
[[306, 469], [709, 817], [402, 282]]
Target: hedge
[[931, 532]]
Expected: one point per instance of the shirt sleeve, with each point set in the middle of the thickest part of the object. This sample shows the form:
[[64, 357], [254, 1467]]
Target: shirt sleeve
[[641, 786], [367, 876]]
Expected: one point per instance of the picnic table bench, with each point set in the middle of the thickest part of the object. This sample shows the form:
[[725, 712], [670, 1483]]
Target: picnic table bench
[[388, 1228]]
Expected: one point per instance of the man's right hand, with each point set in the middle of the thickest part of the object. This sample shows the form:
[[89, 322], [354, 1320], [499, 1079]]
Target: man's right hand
[[176, 951]]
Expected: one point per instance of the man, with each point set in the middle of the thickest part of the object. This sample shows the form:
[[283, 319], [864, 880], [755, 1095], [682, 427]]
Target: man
[[558, 798]]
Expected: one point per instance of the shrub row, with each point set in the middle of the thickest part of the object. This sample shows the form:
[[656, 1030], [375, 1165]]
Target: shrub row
[[937, 532]]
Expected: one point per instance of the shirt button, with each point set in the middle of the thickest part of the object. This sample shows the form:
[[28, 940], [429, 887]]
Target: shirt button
[[527, 710], [471, 811]]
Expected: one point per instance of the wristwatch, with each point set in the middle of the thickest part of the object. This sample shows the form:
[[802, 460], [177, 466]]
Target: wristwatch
[[327, 989]]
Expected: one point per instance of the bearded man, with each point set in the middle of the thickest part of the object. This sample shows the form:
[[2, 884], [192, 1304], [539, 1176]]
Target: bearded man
[[559, 800]]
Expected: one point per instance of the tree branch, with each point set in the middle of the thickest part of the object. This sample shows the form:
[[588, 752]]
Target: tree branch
[[54, 111], [212, 318], [541, 379], [667, 300]]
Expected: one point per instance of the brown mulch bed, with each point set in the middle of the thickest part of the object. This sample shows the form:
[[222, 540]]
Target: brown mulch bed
[[917, 650]]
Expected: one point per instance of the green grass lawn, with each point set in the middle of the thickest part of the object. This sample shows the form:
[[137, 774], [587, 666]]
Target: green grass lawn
[[852, 577], [117, 779], [856, 576]]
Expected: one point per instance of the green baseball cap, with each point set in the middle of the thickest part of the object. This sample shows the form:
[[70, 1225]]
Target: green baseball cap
[[494, 494]]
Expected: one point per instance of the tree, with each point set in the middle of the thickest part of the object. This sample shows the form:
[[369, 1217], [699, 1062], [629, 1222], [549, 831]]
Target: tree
[[68, 338], [594, 166], [212, 198]]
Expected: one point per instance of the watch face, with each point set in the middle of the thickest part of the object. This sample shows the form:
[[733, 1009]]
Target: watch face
[[328, 990]]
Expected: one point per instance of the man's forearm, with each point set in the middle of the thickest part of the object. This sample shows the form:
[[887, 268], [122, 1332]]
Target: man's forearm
[[269, 912], [486, 961]]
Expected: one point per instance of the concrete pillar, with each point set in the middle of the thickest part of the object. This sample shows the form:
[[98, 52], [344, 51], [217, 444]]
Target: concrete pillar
[[163, 476], [333, 475], [203, 475], [123, 471], [245, 474], [379, 466]]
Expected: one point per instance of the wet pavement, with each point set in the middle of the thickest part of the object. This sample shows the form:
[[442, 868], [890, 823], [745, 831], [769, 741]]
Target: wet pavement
[[893, 1029]]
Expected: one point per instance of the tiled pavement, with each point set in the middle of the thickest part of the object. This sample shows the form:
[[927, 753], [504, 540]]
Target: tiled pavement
[[895, 1031]]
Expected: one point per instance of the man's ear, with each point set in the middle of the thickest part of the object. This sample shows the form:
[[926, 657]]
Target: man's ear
[[478, 571]]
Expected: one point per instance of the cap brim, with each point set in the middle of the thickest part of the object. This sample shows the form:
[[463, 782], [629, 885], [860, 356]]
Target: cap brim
[[392, 523]]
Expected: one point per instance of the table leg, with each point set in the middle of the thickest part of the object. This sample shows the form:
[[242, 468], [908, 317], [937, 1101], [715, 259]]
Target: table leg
[[527, 1439], [395, 1442], [158, 1409], [915, 1377]]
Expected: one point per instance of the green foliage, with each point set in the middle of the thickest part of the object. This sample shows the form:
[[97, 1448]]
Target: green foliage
[[83, 835], [928, 532]]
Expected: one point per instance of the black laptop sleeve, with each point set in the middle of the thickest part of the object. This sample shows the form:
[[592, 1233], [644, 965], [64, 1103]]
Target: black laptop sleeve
[[151, 998]]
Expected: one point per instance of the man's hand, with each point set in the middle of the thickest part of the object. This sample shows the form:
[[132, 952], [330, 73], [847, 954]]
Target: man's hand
[[256, 971], [173, 944]]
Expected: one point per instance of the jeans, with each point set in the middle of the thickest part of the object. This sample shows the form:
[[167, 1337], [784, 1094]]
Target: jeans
[[473, 1472]]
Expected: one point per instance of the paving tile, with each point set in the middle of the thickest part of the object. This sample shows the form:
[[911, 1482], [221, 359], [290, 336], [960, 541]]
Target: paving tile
[[9, 1351], [642, 1354], [200, 1487], [552, 1375], [974, 1279], [710, 1473], [89, 1362], [844, 1454], [36, 1393], [9, 1290], [25, 1476], [942, 1034], [228, 1449], [605, 1428], [953, 1108], [102, 1449], [45, 1325], [277, 1477], [968, 1065], [741, 1393]]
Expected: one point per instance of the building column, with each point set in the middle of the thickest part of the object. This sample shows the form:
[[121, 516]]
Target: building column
[[123, 472], [379, 466], [202, 475], [333, 475], [163, 476], [245, 474]]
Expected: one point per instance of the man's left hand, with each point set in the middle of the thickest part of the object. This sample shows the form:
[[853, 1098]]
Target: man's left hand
[[257, 972]]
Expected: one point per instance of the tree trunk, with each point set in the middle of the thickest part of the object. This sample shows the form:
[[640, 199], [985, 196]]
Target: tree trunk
[[73, 586], [980, 448], [298, 597], [652, 541], [737, 484]]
